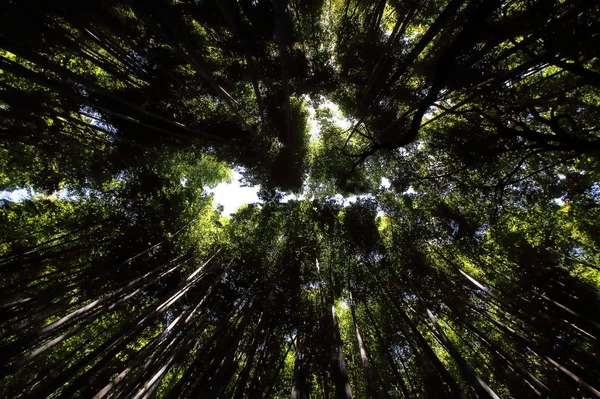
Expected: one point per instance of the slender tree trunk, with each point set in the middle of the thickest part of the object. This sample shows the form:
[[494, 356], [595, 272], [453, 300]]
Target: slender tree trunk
[[339, 372], [422, 343], [383, 347], [482, 389], [373, 387]]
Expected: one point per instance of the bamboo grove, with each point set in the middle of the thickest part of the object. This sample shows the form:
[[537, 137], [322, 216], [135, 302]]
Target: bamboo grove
[[463, 262]]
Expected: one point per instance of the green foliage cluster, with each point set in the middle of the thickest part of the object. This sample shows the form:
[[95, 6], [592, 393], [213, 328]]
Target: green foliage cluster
[[443, 240]]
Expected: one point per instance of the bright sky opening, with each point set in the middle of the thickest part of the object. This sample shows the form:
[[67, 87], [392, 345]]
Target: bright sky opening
[[232, 195]]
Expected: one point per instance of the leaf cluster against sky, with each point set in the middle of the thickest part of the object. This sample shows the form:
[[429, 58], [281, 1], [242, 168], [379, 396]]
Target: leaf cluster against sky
[[426, 214]]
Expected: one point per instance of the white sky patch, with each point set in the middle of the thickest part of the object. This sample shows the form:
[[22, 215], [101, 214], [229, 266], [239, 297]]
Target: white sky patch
[[385, 183], [17, 195], [430, 113], [24, 194], [558, 201], [232, 195], [64, 194], [353, 198], [339, 198], [402, 151], [314, 125], [338, 117], [294, 197]]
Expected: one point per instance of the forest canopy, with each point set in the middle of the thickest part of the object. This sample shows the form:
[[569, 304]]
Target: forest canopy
[[443, 234]]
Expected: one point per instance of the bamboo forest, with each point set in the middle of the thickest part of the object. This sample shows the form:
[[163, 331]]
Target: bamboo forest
[[426, 217]]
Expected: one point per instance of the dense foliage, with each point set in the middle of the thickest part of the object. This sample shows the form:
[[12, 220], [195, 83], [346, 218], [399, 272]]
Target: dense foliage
[[443, 235]]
